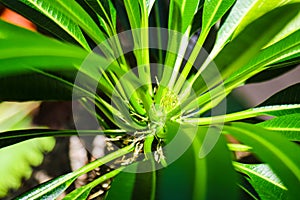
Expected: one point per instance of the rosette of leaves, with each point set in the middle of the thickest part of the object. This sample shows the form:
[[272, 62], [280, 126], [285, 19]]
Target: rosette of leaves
[[243, 38]]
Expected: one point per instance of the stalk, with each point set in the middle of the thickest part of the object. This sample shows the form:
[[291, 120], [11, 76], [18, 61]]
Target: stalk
[[104, 160]]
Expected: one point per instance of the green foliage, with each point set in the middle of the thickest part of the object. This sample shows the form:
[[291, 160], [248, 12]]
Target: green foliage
[[165, 109], [263, 179], [29, 153]]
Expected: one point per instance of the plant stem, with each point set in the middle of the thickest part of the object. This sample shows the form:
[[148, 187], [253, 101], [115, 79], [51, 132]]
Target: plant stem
[[253, 112], [105, 177], [104, 160]]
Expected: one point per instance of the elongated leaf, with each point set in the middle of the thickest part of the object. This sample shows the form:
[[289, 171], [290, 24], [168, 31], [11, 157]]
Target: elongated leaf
[[13, 137], [188, 9], [242, 14], [280, 154], [258, 9], [83, 192], [134, 184], [197, 175], [40, 51], [106, 11], [237, 13], [43, 21], [53, 188], [74, 11], [247, 191], [263, 179], [208, 177], [174, 21], [273, 54], [60, 18], [276, 110], [232, 58], [288, 126], [213, 10], [122, 186], [176, 181], [134, 13], [289, 29]]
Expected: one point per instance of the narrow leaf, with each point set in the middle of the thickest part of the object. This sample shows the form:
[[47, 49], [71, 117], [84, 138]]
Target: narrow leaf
[[208, 177], [280, 154], [39, 50], [287, 125], [132, 184], [134, 13], [232, 58], [263, 179], [64, 29], [16, 136], [188, 9], [269, 56], [74, 11], [53, 188], [213, 10], [84, 191], [275, 110], [60, 18]]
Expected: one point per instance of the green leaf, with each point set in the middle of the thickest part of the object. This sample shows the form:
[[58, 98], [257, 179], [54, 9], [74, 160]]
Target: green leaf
[[53, 188], [208, 177], [122, 185], [289, 29], [258, 9], [246, 189], [107, 13], [213, 10], [243, 13], [287, 125], [56, 29], [263, 179], [41, 52], [17, 160], [269, 56], [196, 174], [237, 13], [60, 18], [232, 58], [75, 12], [133, 12], [239, 52], [134, 184], [16, 136], [84, 191], [188, 9], [177, 180], [280, 154], [274, 110]]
